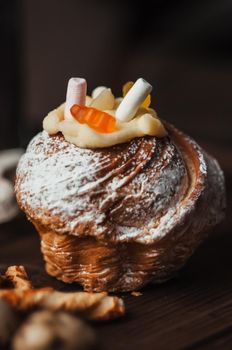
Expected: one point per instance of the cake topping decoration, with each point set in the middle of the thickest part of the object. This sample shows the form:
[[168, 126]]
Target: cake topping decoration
[[76, 93], [103, 100], [101, 120], [126, 87], [133, 99], [97, 91]]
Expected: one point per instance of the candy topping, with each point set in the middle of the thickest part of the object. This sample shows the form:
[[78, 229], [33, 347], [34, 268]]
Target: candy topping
[[103, 120], [98, 120], [76, 94], [133, 99], [97, 91], [126, 87], [103, 100]]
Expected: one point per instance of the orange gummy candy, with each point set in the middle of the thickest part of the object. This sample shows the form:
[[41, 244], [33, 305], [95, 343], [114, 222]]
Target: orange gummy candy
[[99, 121]]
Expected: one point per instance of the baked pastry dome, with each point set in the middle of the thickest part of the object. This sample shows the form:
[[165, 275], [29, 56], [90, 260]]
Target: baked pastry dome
[[117, 218]]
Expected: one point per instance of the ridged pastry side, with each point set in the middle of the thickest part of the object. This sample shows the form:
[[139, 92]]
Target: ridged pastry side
[[100, 266]]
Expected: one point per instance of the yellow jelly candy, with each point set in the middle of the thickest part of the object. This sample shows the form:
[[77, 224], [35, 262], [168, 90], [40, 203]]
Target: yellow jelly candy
[[126, 87], [146, 103]]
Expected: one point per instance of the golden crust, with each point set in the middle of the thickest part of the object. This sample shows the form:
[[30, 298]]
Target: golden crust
[[158, 240]]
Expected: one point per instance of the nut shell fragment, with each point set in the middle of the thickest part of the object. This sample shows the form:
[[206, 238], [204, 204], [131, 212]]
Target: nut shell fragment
[[8, 323], [45, 330]]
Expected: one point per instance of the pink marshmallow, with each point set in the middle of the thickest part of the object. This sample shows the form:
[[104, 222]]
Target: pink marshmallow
[[76, 94]]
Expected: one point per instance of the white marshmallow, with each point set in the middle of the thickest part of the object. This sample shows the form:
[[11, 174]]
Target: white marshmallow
[[133, 99], [76, 94]]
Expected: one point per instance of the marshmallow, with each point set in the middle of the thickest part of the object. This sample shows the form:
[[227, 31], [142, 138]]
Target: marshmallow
[[133, 99], [76, 94]]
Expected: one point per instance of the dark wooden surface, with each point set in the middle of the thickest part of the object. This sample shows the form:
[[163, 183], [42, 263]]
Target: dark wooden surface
[[192, 311]]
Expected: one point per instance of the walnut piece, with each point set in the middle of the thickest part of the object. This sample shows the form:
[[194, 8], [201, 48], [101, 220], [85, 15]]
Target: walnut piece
[[92, 306], [45, 330], [8, 323], [17, 275]]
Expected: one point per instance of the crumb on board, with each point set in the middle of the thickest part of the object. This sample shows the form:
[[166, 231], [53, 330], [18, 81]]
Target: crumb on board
[[136, 294]]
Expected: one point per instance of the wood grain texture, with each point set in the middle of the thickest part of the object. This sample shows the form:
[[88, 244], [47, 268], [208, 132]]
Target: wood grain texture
[[192, 311]]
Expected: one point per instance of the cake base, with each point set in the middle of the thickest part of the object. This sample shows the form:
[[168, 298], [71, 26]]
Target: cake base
[[122, 267]]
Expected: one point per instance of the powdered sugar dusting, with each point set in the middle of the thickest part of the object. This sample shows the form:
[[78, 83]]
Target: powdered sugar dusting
[[132, 191]]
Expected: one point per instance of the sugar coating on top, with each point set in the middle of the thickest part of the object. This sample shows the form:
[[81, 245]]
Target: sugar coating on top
[[127, 192]]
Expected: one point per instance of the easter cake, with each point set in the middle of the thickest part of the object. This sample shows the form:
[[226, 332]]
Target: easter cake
[[119, 197]]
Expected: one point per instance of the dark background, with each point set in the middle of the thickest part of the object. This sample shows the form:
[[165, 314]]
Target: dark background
[[184, 49]]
